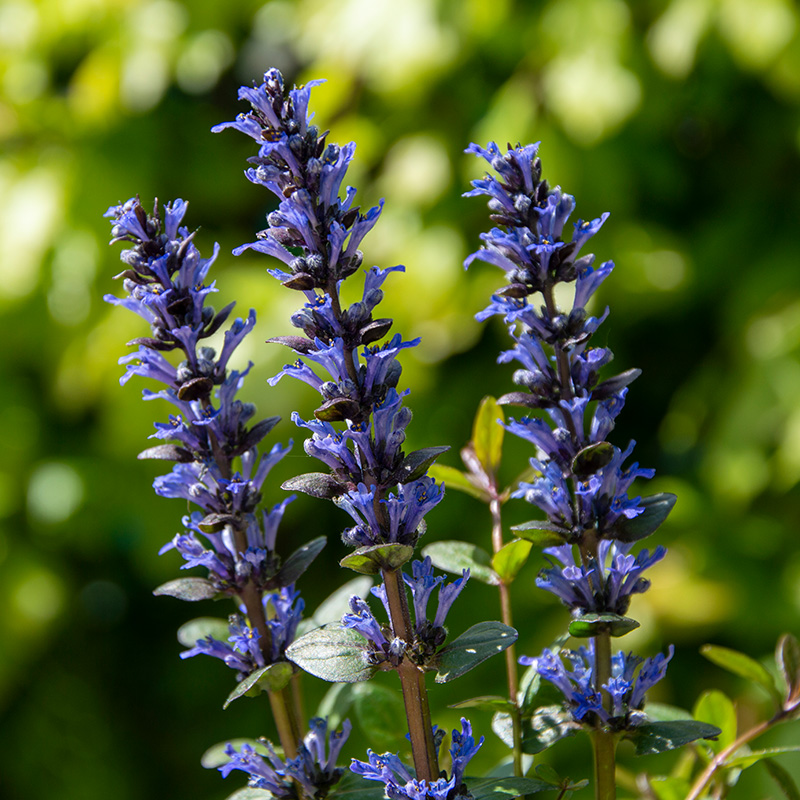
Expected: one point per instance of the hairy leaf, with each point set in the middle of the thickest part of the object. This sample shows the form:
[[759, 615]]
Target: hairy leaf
[[505, 788], [190, 589], [787, 656], [416, 464], [486, 703], [474, 646], [273, 677], [332, 653], [316, 484], [658, 737], [588, 625], [299, 561], [784, 780], [371, 560], [195, 629], [457, 556], [656, 510]]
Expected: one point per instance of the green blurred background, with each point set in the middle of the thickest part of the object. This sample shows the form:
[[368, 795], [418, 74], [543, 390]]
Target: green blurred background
[[681, 118]]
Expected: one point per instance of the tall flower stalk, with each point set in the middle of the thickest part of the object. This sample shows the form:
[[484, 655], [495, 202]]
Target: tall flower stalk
[[218, 470], [582, 481], [359, 428]]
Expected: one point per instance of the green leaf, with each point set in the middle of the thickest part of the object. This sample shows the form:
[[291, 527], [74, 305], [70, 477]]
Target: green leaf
[[455, 479], [546, 726], [670, 788], [592, 459], [753, 757], [716, 708], [661, 712], [191, 589], [215, 755], [784, 780], [743, 666], [541, 533], [416, 464], [658, 737], [315, 484], [196, 629], [787, 656], [656, 510], [273, 677], [249, 793], [488, 788], [487, 434], [588, 625], [332, 653], [371, 560], [333, 607], [486, 703], [474, 646], [298, 562], [354, 787], [510, 559], [377, 709], [336, 703], [548, 774], [456, 556]]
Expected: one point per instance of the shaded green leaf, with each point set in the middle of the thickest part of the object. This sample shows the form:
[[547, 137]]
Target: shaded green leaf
[[456, 479], [332, 653], [377, 709], [190, 589], [754, 756], [717, 709], [333, 607], [546, 726], [548, 774], [658, 737], [784, 780], [336, 703], [661, 712], [487, 434], [487, 788], [588, 625], [249, 793], [787, 656], [371, 560], [299, 561], [315, 484], [195, 629], [454, 556], [510, 559], [656, 510], [273, 677], [474, 646], [592, 459], [669, 788], [354, 787], [540, 533], [742, 665], [416, 464], [486, 703]]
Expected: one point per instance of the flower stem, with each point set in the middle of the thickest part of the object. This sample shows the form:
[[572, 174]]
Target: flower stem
[[721, 757], [412, 679], [495, 508], [604, 741]]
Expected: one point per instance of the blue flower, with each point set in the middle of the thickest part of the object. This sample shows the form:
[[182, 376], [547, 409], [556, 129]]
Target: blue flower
[[583, 697], [399, 782]]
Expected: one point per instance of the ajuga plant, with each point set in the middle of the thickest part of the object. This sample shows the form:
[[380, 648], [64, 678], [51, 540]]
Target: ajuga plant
[[350, 356]]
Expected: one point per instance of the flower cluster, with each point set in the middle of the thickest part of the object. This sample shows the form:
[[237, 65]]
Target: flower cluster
[[626, 687], [314, 768], [283, 611], [428, 634], [316, 234], [581, 483], [399, 782], [165, 281]]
